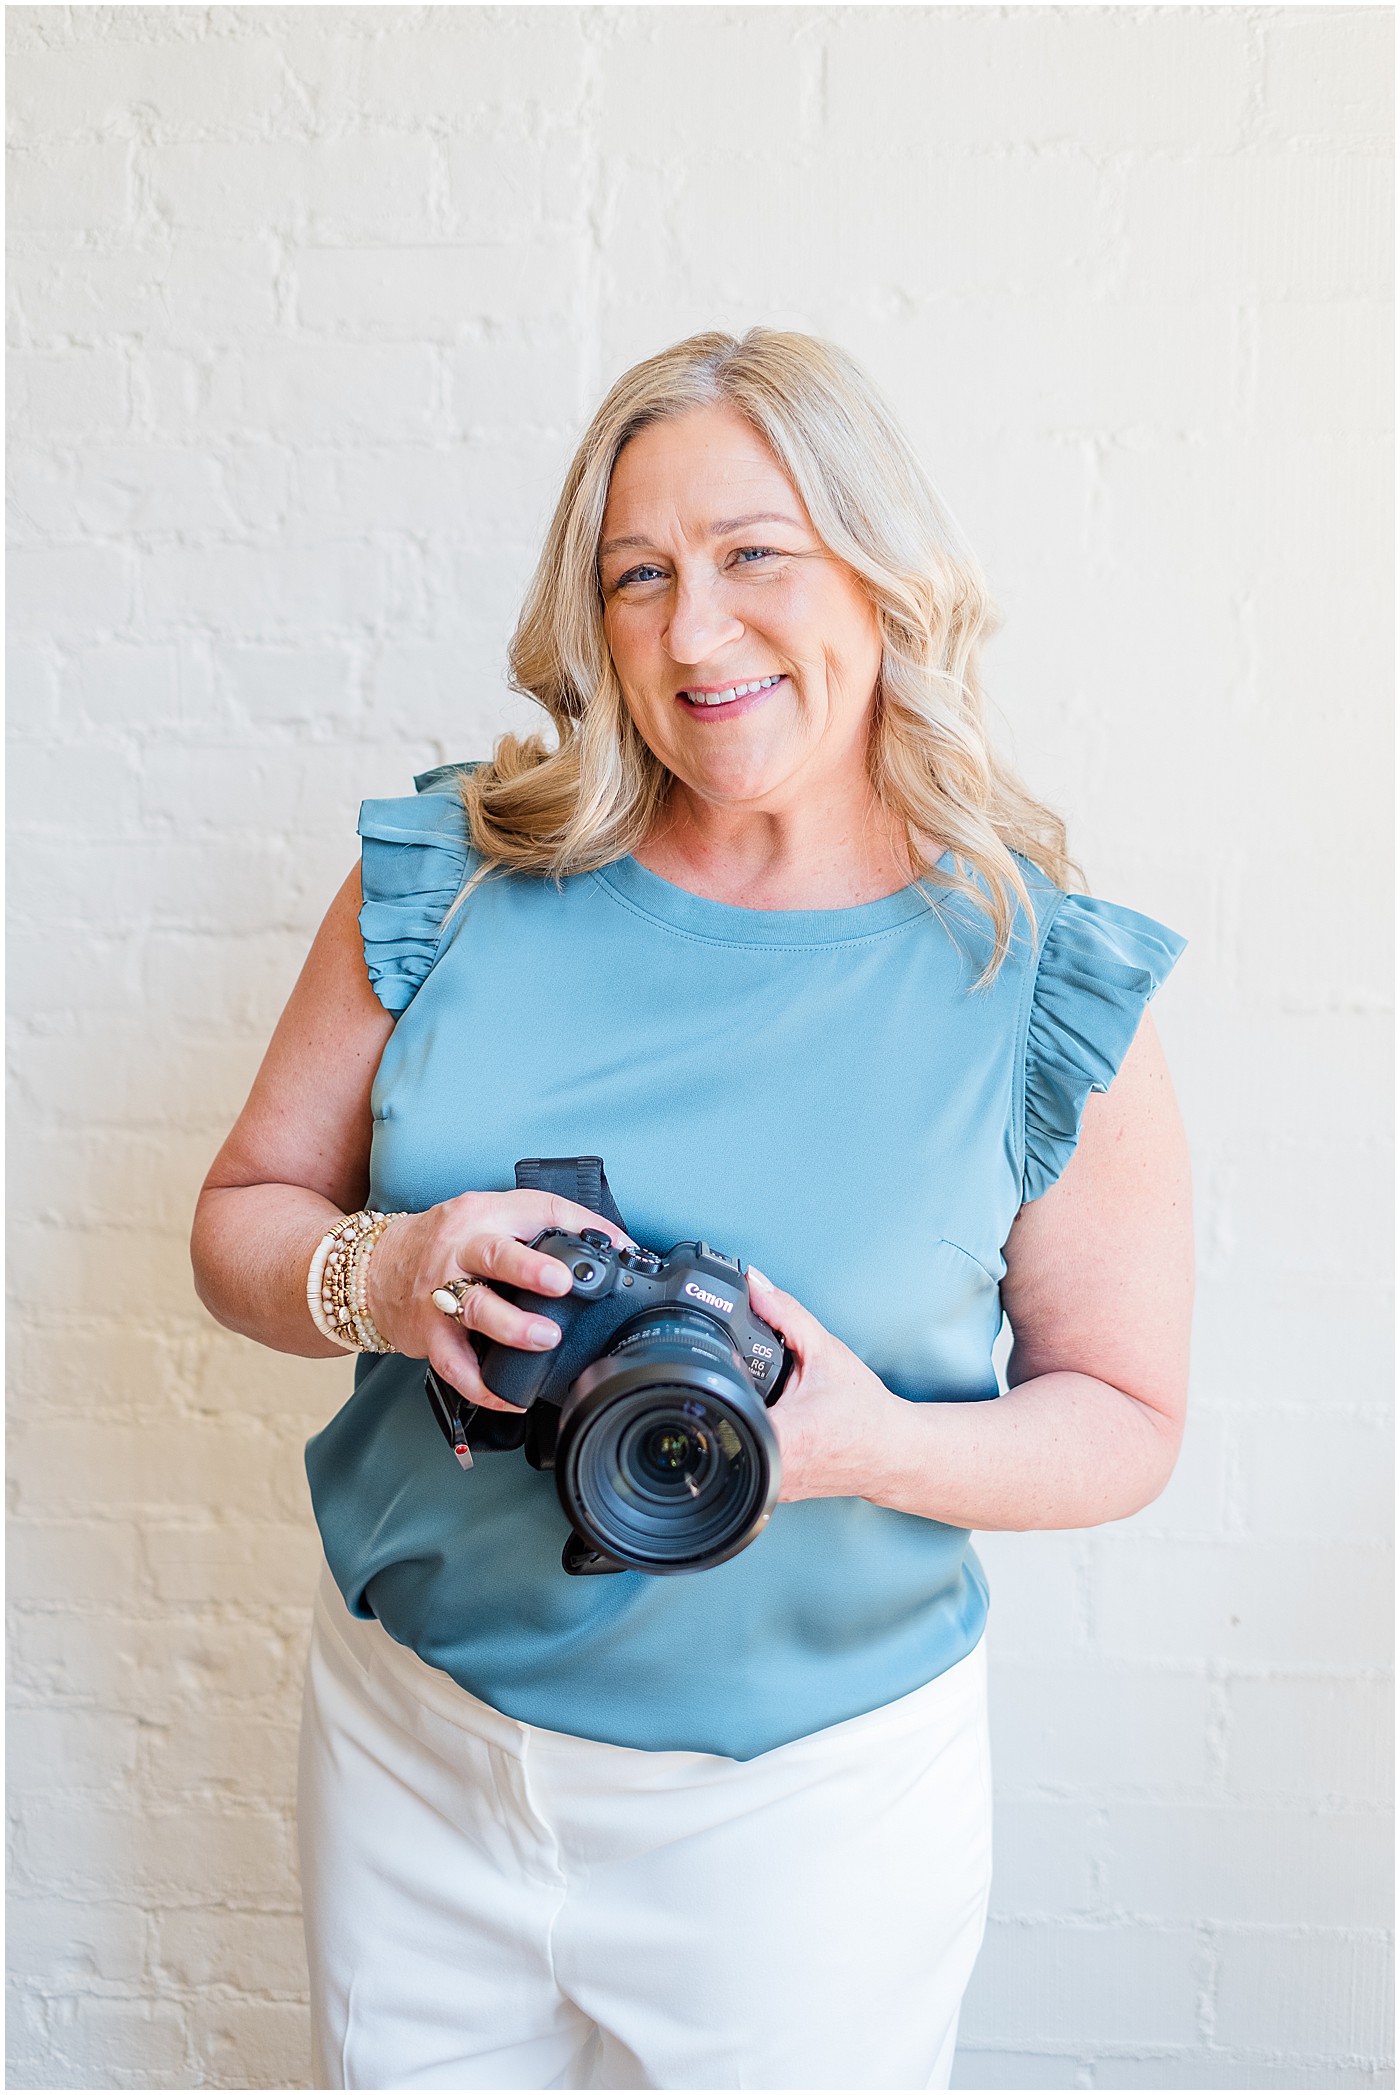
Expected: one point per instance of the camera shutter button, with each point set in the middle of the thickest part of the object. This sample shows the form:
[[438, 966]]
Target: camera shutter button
[[596, 1238]]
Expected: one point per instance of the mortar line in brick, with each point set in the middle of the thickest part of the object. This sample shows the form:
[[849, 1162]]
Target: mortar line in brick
[[594, 205], [1219, 1723], [1208, 1994], [1109, 283], [1252, 23]]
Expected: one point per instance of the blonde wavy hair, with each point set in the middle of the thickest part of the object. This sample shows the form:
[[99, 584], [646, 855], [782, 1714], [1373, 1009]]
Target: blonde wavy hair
[[592, 796]]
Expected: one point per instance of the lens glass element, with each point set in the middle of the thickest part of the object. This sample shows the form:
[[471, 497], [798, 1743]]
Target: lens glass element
[[666, 1457]]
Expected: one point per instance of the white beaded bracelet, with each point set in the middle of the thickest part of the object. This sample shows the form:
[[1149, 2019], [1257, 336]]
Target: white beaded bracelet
[[336, 1292]]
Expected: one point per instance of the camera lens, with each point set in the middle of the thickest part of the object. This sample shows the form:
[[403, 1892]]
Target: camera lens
[[665, 1458], [662, 1491]]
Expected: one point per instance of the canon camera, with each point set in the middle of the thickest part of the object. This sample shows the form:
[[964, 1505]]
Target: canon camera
[[652, 1409]]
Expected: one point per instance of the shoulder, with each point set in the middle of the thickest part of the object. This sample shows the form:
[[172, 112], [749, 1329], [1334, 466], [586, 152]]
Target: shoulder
[[1097, 966], [415, 859]]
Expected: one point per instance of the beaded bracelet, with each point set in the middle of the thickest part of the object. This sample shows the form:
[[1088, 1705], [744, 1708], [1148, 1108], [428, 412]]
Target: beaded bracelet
[[336, 1283]]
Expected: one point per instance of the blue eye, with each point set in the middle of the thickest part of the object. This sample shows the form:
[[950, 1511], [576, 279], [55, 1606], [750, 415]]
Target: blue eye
[[748, 553], [637, 574]]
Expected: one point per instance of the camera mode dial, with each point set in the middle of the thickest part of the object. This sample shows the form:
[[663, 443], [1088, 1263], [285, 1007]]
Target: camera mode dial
[[639, 1261]]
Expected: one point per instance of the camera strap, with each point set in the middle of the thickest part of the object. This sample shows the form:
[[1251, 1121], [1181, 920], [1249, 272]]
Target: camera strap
[[573, 1178]]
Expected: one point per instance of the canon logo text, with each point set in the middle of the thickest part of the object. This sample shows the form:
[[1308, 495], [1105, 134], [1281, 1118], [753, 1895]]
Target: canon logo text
[[715, 1301]]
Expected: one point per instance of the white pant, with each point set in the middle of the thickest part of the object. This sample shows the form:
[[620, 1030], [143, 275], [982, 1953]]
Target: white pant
[[490, 1905]]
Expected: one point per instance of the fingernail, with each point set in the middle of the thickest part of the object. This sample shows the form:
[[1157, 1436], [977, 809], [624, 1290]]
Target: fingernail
[[544, 1333], [760, 1276]]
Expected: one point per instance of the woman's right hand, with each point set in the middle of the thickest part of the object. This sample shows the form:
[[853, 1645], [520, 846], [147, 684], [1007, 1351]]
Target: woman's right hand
[[477, 1236]]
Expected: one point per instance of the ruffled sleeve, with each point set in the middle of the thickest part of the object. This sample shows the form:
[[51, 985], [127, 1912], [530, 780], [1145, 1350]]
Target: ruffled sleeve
[[1099, 968], [413, 865]]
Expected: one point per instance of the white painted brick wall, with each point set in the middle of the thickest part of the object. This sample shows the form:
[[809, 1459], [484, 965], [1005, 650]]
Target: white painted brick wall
[[305, 308]]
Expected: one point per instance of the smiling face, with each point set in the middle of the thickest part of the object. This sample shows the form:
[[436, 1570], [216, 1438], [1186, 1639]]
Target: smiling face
[[747, 653]]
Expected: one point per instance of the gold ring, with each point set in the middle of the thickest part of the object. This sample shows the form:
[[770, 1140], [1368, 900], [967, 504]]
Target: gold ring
[[450, 1298]]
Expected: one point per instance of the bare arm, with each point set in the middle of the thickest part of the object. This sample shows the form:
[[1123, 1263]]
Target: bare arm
[[298, 1153], [1098, 1292], [298, 1157]]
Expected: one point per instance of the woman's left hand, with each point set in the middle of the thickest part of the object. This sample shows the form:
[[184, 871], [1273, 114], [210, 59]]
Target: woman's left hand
[[835, 1416]]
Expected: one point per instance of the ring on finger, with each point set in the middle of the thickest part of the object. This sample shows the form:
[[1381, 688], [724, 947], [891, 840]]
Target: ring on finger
[[451, 1297]]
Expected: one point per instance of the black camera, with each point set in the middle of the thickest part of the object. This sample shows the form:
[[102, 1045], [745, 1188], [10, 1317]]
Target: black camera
[[652, 1409]]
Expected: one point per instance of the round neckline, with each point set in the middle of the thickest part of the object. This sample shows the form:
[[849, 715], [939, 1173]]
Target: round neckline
[[729, 923]]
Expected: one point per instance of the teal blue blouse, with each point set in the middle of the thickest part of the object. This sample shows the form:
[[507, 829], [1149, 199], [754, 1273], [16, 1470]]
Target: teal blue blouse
[[824, 1093]]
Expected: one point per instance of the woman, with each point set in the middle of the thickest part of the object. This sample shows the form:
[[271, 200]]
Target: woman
[[772, 931]]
